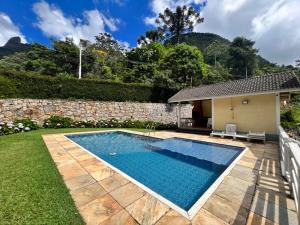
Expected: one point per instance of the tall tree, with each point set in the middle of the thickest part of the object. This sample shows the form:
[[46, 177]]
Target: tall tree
[[66, 56], [182, 20], [150, 36], [242, 59], [216, 52], [185, 65], [110, 56]]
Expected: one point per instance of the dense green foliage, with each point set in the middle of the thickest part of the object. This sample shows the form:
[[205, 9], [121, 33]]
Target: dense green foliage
[[186, 65], [242, 58], [20, 125], [169, 57], [290, 115], [22, 85], [66, 122]]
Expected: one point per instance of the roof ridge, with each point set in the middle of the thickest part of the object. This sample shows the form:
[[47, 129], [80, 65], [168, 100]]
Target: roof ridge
[[267, 82], [239, 80]]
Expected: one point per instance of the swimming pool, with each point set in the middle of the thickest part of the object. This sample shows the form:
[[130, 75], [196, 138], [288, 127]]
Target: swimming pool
[[178, 170]]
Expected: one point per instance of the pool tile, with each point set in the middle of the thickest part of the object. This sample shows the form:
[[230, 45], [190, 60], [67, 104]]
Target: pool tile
[[95, 166], [121, 218], [276, 197], [147, 210], [203, 217], [71, 170], [103, 173], [254, 219], [240, 184], [88, 193], [273, 212], [79, 182], [99, 210], [249, 162], [277, 184], [84, 157], [88, 162], [113, 182], [235, 195], [173, 218], [127, 194], [244, 173], [226, 210]]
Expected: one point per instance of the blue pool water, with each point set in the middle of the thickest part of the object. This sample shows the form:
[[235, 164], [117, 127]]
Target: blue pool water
[[180, 170]]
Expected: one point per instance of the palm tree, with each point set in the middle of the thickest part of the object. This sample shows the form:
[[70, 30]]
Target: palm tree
[[183, 20]]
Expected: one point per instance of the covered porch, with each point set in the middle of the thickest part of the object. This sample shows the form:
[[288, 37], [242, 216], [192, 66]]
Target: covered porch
[[200, 121]]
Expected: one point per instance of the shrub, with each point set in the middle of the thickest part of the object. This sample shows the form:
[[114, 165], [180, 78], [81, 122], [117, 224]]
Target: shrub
[[29, 85], [58, 122], [66, 122], [21, 125]]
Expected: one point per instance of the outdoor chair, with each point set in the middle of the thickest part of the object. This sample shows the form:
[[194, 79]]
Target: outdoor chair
[[230, 131], [256, 136]]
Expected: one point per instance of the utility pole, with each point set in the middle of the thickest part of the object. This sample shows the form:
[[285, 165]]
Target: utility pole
[[82, 45], [80, 54]]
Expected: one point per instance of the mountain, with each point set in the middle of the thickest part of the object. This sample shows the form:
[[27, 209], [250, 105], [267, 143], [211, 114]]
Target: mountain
[[203, 40], [12, 46]]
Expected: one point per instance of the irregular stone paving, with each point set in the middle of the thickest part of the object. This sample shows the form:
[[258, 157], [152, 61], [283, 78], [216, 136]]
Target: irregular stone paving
[[253, 193]]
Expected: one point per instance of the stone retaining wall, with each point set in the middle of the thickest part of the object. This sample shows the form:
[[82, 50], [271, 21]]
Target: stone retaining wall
[[11, 109]]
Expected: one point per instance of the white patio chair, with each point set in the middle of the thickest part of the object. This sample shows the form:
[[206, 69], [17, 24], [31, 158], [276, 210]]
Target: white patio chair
[[261, 136]]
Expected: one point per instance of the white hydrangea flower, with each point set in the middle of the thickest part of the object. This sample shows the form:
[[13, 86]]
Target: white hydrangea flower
[[27, 129]]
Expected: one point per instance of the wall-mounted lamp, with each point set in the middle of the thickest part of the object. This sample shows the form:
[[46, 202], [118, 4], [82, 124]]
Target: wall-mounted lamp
[[245, 102]]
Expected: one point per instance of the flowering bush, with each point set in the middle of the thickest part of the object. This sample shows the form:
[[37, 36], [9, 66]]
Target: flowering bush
[[66, 122], [22, 125]]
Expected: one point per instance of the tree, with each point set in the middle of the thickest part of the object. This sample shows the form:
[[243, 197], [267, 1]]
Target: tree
[[66, 56], [150, 36], [185, 65], [173, 24], [106, 43], [242, 59], [216, 52], [144, 62], [216, 74], [41, 59], [298, 63], [109, 53]]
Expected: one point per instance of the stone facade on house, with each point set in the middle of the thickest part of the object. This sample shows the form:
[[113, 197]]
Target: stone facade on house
[[81, 110]]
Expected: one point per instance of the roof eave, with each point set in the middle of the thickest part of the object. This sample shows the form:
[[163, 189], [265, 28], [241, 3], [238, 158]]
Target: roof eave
[[238, 95]]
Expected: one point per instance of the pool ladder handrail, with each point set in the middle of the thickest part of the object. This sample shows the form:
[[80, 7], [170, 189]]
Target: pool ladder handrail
[[150, 128]]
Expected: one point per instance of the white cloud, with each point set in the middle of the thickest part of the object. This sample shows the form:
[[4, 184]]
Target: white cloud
[[273, 24], [8, 29], [158, 6], [53, 23]]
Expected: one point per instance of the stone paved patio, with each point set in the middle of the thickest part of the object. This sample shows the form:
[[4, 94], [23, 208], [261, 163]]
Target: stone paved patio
[[253, 192]]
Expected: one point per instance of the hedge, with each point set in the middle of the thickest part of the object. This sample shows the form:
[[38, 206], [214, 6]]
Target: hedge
[[25, 85]]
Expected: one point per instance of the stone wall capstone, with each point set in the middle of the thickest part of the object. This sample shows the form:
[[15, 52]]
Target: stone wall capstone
[[81, 110]]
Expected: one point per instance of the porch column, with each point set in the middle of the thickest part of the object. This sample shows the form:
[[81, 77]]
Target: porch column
[[178, 114], [278, 111], [213, 113]]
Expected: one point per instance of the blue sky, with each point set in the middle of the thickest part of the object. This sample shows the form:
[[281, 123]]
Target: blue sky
[[272, 24], [130, 15]]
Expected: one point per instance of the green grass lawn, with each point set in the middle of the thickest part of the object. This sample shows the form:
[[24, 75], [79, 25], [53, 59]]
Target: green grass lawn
[[31, 188]]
